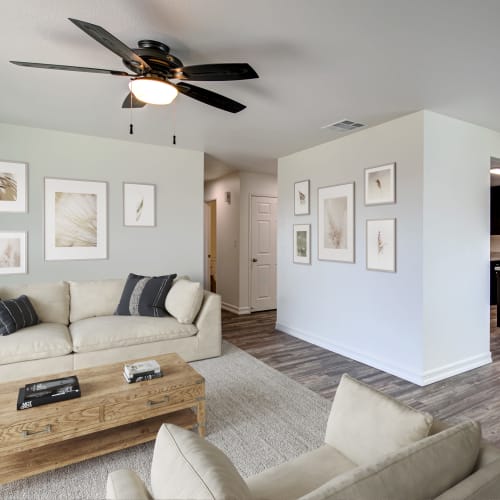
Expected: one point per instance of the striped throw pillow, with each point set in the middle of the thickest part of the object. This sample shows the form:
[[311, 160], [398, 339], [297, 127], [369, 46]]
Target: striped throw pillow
[[16, 314], [145, 295]]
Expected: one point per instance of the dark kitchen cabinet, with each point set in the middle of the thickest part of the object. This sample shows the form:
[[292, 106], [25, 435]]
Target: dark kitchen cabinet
[[495, 210]]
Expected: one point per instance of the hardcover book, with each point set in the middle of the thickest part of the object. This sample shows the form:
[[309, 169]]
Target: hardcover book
[[142, 376], [50, 391], [141, 367]]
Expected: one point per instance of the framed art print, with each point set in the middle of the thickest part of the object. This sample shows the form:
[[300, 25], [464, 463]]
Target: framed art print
[[381, 245], [302, 243], [301, 198], [13, 187], [336, 223], [139, 202], [380, 185], [75, 219], [13, 251]]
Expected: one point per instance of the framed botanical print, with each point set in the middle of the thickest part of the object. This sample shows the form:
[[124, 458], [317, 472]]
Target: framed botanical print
[[75, 219], [302, 243], [381, 245], [336, 223], [13, 187], [139, 202], [380, 184], [302, 204], [13, 252]]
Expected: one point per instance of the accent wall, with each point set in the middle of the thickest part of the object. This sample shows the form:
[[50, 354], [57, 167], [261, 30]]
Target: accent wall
[[174, 245]]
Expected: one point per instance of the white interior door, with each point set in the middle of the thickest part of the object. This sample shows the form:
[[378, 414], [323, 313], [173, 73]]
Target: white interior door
[[263, 252]]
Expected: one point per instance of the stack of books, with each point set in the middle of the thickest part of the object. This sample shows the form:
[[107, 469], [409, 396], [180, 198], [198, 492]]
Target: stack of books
[[142, 370], [49, 391]]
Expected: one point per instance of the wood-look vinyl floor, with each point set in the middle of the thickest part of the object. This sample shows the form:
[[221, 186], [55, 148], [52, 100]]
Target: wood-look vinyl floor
[[474, 394]]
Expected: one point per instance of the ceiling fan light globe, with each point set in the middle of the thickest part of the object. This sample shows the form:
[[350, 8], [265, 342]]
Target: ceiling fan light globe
[[153, 90]]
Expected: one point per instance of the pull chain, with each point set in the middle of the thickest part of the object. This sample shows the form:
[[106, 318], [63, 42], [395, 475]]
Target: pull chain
[[174, 139], [131, 127]]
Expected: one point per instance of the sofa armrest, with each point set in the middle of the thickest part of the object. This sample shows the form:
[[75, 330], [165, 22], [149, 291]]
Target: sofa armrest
[[209, 327], [125, 484], [484, 484]]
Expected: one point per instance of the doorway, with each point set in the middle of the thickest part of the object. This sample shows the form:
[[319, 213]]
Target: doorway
[[263, 218], [210, 263]]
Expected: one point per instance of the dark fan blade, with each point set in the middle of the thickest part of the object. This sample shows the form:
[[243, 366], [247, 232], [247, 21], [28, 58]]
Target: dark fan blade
[[216, 72], [210, 98], [132, 103], [112, 43], [71, 68]]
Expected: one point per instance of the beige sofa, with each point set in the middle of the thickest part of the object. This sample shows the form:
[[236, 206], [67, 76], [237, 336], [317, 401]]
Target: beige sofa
[[375, 449], [79, 330]]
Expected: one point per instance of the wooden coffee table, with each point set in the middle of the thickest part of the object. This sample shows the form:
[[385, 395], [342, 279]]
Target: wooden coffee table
[[110, 415]]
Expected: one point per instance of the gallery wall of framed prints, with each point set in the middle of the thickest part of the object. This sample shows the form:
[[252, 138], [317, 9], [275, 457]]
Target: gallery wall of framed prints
[[380, 234]]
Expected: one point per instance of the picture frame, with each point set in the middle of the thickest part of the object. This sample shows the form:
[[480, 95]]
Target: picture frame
[[75, 219], [302, 243], [336, 223], [139, 205], [302, 204], [13, 186], [381, 245], [380, 185], [13, 252]]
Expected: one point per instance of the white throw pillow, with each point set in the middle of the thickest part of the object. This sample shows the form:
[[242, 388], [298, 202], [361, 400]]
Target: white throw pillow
[[184, 300], [185, 466], [365, 424]]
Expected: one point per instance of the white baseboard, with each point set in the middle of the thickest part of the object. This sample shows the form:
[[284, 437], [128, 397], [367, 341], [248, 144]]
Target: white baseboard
[[420, 379], [235, 309], [436, 374]]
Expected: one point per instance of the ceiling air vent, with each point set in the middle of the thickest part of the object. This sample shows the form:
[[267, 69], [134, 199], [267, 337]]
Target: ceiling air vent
[[344, 125]]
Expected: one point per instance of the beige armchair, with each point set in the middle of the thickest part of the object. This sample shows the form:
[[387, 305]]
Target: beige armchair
[[375, 447]]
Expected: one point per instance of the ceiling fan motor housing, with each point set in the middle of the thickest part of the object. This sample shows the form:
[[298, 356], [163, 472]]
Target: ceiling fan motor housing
[[157, 55]]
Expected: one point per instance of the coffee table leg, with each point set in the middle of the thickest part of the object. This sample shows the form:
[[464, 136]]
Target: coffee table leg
[[200, 417]]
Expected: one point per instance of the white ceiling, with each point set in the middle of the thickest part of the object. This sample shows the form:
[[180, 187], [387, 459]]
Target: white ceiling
[[319, 61]]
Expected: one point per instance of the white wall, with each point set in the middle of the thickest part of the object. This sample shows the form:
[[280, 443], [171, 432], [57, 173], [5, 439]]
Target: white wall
[[456, 245], [251, 184], [374, 317], [228, 237], [174, 245], [430, 319]]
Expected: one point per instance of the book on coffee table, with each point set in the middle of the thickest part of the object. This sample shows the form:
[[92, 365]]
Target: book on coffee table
[[48, 391]]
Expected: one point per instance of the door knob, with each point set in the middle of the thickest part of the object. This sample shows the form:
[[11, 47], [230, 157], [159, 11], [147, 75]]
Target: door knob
[[254, 260]]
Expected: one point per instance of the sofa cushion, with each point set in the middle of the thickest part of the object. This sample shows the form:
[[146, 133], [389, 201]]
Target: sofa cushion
[[50, 300], [482, 484], [16, 314], [94, 298], [105, 332], [145, 295], [45, 340], [185, 466], [300, 475], [184, 300], [419, 471], [365, 424]]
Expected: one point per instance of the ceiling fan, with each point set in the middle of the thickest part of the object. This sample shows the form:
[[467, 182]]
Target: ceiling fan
[[153, 67]]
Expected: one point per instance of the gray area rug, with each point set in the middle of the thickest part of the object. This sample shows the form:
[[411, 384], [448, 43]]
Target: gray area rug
[[256, 415]]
